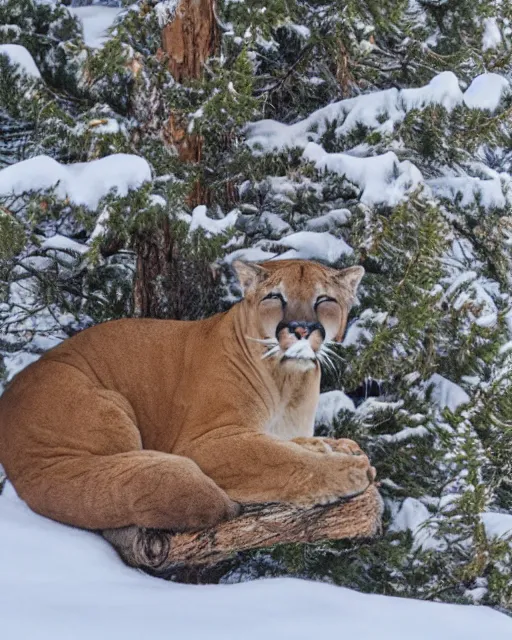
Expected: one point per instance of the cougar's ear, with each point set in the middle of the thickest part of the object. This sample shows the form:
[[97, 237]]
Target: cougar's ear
[[249, 274], [349, 280]]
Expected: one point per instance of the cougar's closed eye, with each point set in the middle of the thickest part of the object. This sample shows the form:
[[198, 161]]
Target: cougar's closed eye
[[321, 299], [275, 295]]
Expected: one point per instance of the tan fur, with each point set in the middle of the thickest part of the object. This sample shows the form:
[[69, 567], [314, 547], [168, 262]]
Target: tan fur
[[169, 424]]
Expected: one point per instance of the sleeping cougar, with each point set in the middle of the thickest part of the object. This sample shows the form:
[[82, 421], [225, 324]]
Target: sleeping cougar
[[166, 424]]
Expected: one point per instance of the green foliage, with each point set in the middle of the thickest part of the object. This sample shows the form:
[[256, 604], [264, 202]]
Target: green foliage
[[12, 235]]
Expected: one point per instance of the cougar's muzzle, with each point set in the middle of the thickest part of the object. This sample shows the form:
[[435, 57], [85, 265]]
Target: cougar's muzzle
[[301, 330]]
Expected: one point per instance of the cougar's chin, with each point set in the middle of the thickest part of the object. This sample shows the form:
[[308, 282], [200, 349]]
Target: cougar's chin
[[300, 354]]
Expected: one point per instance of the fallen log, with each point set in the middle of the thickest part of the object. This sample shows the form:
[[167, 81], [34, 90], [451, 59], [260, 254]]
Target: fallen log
[[260, 525]]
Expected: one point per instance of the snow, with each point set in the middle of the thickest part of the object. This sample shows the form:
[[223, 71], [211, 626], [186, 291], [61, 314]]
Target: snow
[[165, 11], [96, 21], [445, 393], [83, 183], [329, 221], [250, 254], [20, 56], [300, 29], [498, 525], [309, 245], [277, 226], [390, 105], [488, 193], [382, 179], [491, 38], [331, 403], [58, 582], [405, 434], [62, 243], [443, 90], [199, 220], [358, 331], [486, 91], [414, 516]]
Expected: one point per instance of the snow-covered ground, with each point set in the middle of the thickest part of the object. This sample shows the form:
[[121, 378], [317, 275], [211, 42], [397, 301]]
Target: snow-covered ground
[[58, 583]]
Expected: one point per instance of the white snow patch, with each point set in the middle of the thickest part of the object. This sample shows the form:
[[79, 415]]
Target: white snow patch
[[329, 221], [379, 110], [491, 37], [69, 583], [497, 525], [62, 243], [199, 220], [276, 223], [479, 591], [309, 245], [405, 434], [414, 517], [84, 183], [443, 90], [486, 91], [100, 226], [300, 29], [330, 405], [382, 179], [468, 190], [165, 11], [358, 330], [96, 22], [21, 57], [445, 393], [250, 254]]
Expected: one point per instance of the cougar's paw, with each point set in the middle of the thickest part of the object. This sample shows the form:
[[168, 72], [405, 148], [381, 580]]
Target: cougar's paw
[[344, 445], [330, 445], [353, 476], [219, 511], [318, 445]]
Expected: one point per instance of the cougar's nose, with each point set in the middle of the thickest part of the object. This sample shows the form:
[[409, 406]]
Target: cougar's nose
[[301, 329]]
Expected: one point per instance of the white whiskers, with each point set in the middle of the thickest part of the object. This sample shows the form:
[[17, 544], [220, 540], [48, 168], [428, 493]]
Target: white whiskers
[[329, 358], [271, 343], [271, 352]]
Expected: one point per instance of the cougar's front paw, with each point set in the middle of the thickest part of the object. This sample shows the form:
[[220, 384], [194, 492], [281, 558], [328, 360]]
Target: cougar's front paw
[[318, 445], [352, 476], [344, 445], [330, 445], [339, 476]]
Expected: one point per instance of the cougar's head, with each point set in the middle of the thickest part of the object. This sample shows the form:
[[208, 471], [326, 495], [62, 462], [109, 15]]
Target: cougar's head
[[299, 307]]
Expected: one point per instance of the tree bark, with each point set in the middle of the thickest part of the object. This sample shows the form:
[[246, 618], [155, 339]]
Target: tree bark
[[153, 272], [261, 525], [188, 40]]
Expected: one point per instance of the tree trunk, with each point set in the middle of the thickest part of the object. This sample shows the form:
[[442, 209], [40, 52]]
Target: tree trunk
[[190, 38], [187, 41], [188, 555], [153, 273]]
